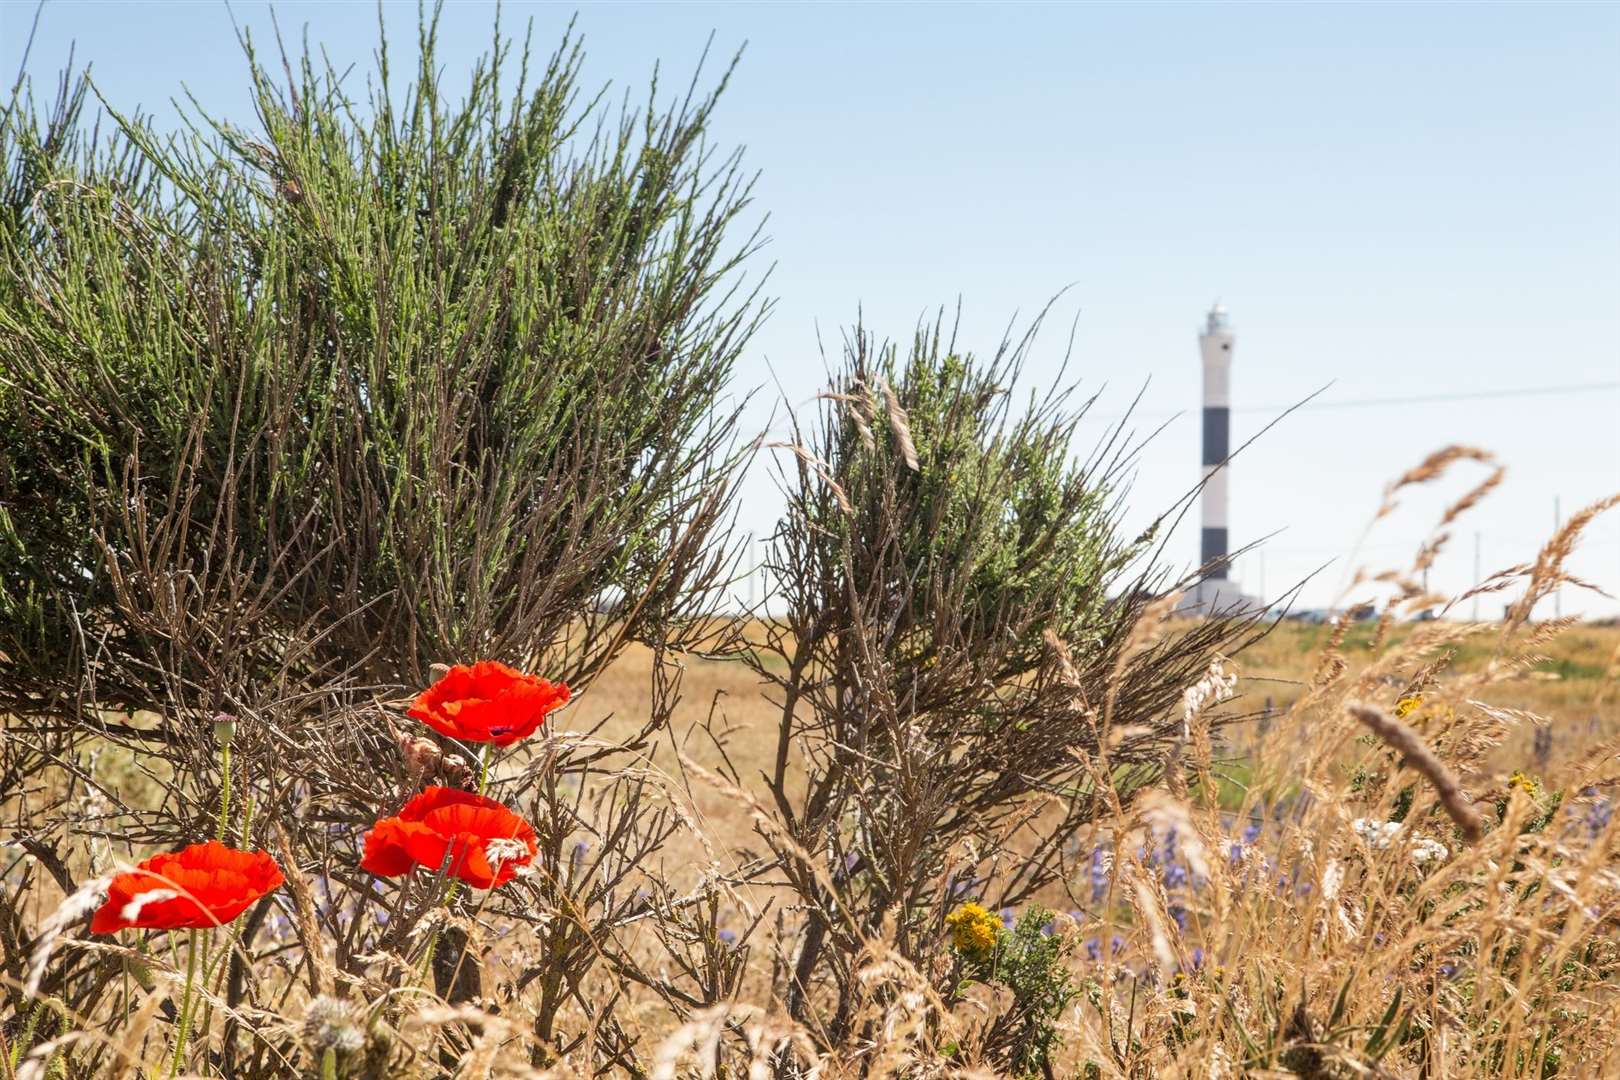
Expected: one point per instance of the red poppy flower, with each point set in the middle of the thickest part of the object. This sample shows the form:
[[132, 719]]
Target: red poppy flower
[[475, 838], [198, 886], [488, 702]]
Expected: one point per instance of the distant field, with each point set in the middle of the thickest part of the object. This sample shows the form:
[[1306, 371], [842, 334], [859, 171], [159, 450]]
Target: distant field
[[1566, 689]]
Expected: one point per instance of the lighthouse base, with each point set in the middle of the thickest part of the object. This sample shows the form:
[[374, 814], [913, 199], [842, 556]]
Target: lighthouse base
[[1215, 596]]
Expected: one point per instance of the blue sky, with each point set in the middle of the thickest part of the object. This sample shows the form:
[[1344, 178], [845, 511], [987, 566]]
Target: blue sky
[[1400, 200]]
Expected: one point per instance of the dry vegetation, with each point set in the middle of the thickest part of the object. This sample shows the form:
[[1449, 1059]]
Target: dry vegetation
[[1281, 934], [1568, 687], [288, 421]]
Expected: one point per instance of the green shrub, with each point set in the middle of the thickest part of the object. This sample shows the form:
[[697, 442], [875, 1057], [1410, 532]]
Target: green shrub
[[432, 375], [961, 615], [1030, 961]]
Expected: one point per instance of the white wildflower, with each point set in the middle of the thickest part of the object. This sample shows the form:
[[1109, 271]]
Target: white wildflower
[[1425, 850], [1215, 687], [1377, 834]]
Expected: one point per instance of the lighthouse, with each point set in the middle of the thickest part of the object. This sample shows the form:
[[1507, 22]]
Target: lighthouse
[[1215, 344]]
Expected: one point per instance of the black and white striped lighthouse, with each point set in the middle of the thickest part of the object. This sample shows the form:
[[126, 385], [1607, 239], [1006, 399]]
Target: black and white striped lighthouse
[[1215, 343]]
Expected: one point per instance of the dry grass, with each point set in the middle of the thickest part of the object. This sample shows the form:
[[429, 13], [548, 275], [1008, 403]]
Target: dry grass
[[1571, 687], [1568, 690], [1293, 900]]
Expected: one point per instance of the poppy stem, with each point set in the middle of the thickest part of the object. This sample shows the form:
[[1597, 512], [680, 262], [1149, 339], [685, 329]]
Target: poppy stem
[[483, 768], [224, 733], [214, 970], [247, 819], [433, 939], [185, 1005], [224, 789]]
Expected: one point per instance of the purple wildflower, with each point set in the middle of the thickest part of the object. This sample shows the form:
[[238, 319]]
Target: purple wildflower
[[1598, 816], [1094, 947], [1099, 875]]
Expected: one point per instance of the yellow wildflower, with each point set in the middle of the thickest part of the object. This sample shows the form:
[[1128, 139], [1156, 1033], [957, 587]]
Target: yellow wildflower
[[1412, 706], [973, 930], [1527, 784]]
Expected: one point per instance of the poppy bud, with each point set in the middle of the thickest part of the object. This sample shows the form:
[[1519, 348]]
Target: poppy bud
[[458, 770], [142, 972], [420, 755]]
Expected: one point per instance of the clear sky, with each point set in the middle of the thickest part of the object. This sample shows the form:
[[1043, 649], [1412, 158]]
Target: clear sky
[[1403, 200]]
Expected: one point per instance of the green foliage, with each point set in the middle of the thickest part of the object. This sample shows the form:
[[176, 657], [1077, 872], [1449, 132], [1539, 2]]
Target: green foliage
[[997, 517], [1029, 961], [382, 383], [958, 605], [1403, 803]]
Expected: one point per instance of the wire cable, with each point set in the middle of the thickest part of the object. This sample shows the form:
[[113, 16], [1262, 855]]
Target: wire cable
[[1428, 399]]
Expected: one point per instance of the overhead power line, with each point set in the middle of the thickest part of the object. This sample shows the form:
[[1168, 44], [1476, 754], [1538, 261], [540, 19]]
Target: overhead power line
[[1429, 399]]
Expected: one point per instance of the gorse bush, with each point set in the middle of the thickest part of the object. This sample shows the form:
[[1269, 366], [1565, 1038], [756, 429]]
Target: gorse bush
[[384, 383], [962, 625]]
